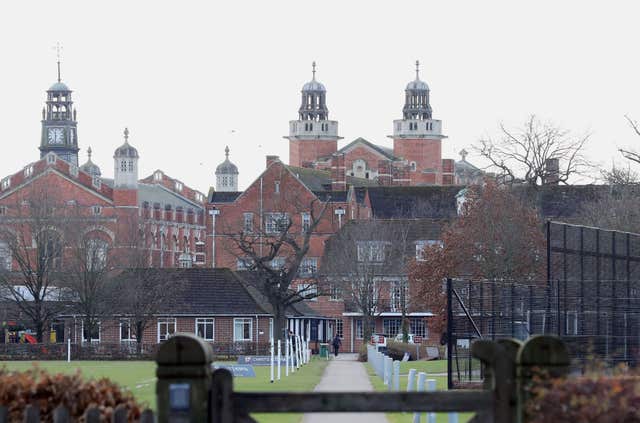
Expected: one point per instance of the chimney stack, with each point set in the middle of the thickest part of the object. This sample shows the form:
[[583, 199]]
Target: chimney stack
[[385, 173], [551, 172], [272, 159], [338, 172]]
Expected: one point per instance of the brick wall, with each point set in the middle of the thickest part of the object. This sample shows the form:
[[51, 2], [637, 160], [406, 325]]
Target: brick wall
[[301, 151]]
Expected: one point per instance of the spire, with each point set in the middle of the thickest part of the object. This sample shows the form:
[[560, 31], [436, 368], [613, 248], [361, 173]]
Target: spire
[[417, 70], [126, 135], [58, 48], [463, 153], [226, 152], [313, 66], [89, 154]]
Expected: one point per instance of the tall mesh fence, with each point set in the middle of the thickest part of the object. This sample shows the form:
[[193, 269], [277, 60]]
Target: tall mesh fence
[[590, 298]]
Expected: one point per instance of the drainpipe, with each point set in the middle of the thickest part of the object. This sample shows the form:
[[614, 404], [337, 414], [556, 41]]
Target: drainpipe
[[213, 212]]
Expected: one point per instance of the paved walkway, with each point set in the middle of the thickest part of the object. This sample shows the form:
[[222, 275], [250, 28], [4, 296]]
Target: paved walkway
[[345, 374]]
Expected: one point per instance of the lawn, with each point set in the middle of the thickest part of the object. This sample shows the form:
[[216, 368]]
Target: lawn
[[434, 369], [139, 377]]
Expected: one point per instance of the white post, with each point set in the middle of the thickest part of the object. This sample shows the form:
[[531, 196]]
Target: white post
[[291, 356], [69, 350], [396, 375], [453, 417], [410, 379], [297, 351], [431, 387], [271, 350], [279, 358], [422, 376], [389, 371], [286, 356]]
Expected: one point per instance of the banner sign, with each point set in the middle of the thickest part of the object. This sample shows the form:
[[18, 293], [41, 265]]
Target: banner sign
[[237, 370], [261, 360]]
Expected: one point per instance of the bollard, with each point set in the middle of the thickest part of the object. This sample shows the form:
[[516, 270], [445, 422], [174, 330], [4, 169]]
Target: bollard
[[396, 375], [389, 362], [184, 379], [431, 387], [385, 373], [422, 376], [411, 379], [286, 357], [271, 360]]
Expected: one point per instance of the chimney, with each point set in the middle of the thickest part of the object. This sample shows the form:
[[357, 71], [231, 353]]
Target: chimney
[[385, 172], [338, 172], [448, 172], [272, 159], [551, 172]]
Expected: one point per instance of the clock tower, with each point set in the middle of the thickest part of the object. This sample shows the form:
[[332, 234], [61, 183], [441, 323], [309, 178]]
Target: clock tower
[[59, 132]]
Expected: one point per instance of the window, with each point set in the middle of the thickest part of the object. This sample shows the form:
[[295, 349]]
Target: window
[[275, 223], [277, 187], [371, 251], [166, 328], [3, 210], [422, 245], [308, 291], [335, 292], [96, 250], [571, 323], [205, 328], [242, 329], [418, 327], [247, 225], [5, 256], [308, 267], [360, 327], [413, 166], [130, 165], [340, 328], [73, 170], [306, 222], [94, 336], [399, 293], [6, 183], [97, 210], [97, 182], [179, 186], [199, 247], [391, 327], [126, 332], [123, 165], [244, 264], [157, 176], [277, 263], [51, 158], [28, 171], [49, 247]]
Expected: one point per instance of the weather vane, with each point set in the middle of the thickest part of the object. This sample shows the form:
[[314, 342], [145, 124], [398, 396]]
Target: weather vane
[[417, 69], [313, 65], [58, 49]]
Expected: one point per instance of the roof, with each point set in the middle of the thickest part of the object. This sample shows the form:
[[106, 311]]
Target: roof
[[418, 201], [156, 193], [559, 201], [332, 196], [223, 197], [320, 180], [384, 151], [126, 150], [227, 168], [313, 86], [205, 291], [417, 85], [59, 86]]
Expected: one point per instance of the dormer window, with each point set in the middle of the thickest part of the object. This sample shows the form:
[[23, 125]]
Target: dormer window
[[73, 170], [96, 210], [179, 186], [51, 158], [28, 171], [199, 197], [6, 183], [97, 182], [157, 176], [277, 187]]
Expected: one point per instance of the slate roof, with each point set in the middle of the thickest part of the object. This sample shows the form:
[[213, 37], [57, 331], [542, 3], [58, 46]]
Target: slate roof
[[156, 193], [418, 201], [332, 196], [320, 180], [223, 197], [201, 291], [384, 151]]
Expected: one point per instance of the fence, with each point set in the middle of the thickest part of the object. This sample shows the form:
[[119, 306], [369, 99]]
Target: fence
[[589, 299]]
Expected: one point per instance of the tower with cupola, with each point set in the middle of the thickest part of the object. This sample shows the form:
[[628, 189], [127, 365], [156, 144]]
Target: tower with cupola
[[59, 126], [313, 136], [227, 175], [417, 137]]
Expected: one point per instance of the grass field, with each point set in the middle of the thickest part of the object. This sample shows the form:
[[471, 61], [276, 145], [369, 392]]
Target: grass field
[[433, 370], [139, 378]]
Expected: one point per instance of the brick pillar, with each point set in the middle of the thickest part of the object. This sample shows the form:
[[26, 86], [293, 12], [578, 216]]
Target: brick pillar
[[338, 172], [448, 172]]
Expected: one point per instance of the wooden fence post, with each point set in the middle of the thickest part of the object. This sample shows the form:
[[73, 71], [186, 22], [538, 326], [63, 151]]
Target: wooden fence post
[[184, 379], [541, 353], [221, 397]]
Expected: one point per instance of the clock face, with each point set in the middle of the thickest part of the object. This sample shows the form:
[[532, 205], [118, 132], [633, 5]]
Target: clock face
[[56, 135]]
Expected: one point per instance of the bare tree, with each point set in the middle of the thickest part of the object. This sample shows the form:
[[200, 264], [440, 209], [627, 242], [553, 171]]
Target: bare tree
[[630, 154], [616, 208], [275, 251], [365, 263], [618, 176], [32, 236], [522, 154]]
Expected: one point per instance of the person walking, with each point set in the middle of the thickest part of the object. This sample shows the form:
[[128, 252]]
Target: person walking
[[337, 342]]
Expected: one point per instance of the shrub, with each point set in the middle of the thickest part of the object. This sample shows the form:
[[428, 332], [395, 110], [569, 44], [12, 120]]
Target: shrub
[[362, 354], [591, 398], [36, 386], [396, 350]]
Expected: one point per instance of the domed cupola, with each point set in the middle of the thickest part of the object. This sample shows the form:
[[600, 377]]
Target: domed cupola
[[90, 167], [314, 105], [125, 160], [416, 104], [227, 175]]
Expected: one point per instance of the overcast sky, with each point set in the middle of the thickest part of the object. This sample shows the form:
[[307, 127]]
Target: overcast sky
[[183, 75]]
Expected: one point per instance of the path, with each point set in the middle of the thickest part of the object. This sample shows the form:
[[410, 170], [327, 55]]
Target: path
[[345, 374]]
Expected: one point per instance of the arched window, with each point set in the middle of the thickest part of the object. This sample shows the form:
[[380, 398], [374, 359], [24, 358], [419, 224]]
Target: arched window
[[49, 247], [5, 256], [96, 252]]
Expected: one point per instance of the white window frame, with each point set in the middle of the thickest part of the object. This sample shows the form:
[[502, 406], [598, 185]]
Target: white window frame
[[206, 321], [179, 186], [305, 222], [308, 267], [166, 321], [275, 222], [339, 328], [28, 171], [131, 337], [335, 292], [415, 320], [371, 251], [310, 288], [6, 260], [96, 210], [243, 264], [93, 340], [359, 328], [157, 176], [243, 320], [247, 222], [422, 244], [6, 183]]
